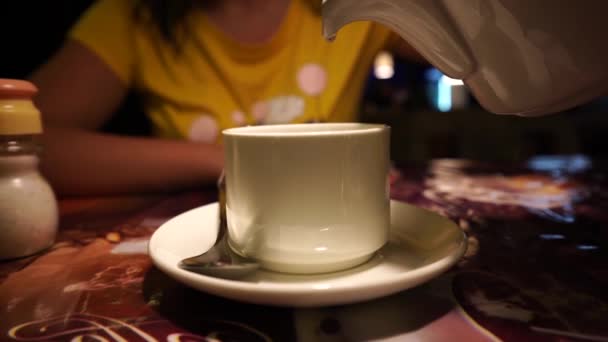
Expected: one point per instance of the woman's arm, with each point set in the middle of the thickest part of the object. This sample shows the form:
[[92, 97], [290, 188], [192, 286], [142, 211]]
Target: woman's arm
[[80, 162], [78, 92]]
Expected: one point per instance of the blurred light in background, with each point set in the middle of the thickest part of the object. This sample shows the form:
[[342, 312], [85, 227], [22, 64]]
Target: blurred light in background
[[587, 247], [446, 93], [384, 66], [450, 81], [555, 163], [552, 236]]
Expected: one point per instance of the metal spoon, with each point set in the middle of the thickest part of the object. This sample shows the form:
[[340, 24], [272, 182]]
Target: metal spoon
[[220, 261]]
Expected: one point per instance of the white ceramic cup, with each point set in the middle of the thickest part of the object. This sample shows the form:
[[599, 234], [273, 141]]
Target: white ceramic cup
[[307, 198]]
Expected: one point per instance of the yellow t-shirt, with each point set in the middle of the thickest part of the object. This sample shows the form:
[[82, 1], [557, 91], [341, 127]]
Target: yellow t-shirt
[[215, 83]]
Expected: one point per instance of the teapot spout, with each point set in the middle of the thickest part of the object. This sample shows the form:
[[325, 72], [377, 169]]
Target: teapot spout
[[332, 22], [424, 24]]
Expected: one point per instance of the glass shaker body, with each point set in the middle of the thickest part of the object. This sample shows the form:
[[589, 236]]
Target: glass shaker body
[[28, 206]]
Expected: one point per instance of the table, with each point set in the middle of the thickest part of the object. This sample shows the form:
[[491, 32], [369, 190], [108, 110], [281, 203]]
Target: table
[[536, 269]]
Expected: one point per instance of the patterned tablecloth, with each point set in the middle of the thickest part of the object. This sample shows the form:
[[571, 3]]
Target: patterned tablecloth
[[536, 269]]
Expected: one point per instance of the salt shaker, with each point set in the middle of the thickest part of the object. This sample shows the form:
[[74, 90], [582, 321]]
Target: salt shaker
[[28, 206]]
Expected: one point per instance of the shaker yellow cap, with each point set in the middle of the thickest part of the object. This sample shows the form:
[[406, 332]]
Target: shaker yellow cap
[[18, 115]]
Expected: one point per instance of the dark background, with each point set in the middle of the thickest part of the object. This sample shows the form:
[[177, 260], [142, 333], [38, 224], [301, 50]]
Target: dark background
[[32, 30]]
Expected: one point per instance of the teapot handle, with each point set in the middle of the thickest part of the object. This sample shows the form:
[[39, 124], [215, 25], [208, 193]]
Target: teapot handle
[[424, 24]]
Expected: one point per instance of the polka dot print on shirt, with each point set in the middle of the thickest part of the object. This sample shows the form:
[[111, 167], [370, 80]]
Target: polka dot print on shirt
[[259, 110], [284, 109], [238, 118], [204, 129], [312, 79]]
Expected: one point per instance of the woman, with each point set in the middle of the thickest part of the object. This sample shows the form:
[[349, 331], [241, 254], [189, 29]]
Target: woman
[[200, 67]]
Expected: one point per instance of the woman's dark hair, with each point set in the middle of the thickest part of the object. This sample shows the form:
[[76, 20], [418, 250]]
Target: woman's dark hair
[[169, 16]]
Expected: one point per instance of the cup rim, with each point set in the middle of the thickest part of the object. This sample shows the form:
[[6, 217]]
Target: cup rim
[[306, 130]]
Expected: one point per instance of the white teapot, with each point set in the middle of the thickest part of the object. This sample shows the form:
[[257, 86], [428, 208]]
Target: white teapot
[[526, 57]]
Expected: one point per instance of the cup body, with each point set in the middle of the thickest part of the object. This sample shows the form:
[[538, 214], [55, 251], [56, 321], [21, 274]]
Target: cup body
[[307, 198]]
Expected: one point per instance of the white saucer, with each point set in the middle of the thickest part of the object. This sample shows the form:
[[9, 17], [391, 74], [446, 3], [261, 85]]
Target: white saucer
[[422, 246]]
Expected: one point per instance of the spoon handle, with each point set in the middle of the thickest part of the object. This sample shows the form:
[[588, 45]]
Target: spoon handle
[[223, 226], [219, 261]]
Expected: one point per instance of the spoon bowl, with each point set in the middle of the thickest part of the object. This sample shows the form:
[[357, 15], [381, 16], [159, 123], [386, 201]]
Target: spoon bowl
[[220, 261]]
